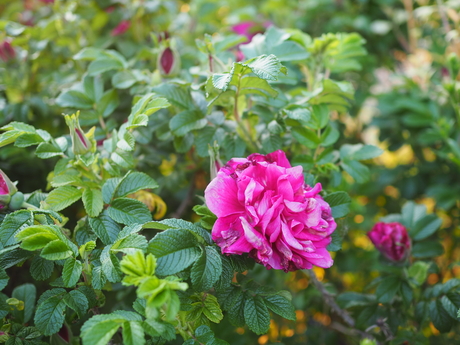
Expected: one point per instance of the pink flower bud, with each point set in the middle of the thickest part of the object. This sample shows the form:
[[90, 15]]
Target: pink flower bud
[[81, 143], [264, 208], [392, 240], [7, 189], [168, 62], [7, 52], [121, 28]]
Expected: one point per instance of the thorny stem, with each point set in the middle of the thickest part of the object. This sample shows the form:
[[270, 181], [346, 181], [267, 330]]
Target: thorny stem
[[329, 300]]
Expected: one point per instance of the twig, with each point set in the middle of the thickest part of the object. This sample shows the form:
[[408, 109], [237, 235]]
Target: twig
[[329, 300]]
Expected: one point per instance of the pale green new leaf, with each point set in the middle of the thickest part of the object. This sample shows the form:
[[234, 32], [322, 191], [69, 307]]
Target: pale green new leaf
[[92, 200], [62, 197], [71, 272]]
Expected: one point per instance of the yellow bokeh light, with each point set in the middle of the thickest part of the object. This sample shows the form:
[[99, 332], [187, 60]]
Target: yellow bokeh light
[[319, 272], [263, 339], [185, 8], [240, 330], [358, 218]]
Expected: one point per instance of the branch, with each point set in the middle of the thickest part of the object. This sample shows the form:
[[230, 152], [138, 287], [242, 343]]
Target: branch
[[345, 316]]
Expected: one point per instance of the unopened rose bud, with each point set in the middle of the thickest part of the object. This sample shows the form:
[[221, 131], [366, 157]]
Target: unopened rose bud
[[81, 144], [168, 62], [392, 240], [121, 28], [7, 189], [7, 51]]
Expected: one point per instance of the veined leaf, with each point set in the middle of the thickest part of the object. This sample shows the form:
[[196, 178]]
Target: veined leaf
[[92, 200], [207, 269], [62, 197], [129, 211], [256, 315]]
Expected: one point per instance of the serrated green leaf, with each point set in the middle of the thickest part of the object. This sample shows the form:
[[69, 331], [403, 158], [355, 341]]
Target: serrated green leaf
[[3, 279], [175, 250], [187, 121], [387, 289], [266, 67], [130, 243], [77, 301], [358, 171], [256, 315], [104, 64], [134, 182], [129, 211], [451, 304], [123, 79], [71, 272], [412, 213], [62, 197], [92, 200], [133, 333], [105, 228], [46, 150], [98, 278], [99, 333], [56, 250], [110, 265], [211, 309], [418, 271], [439, 316], [28, 139], [176, 94], [40, 268], [306, 137], [74, 99], [339, 202], [206, 270], [13, 224], [281, 306], [425, 227], [123, 158], [49, 316], [427, 249]]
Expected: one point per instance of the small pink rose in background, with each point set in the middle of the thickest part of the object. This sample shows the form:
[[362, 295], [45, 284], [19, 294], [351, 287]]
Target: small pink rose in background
[[7, 51], [264, 208], [121, 28], [392, 240], [248, 29]]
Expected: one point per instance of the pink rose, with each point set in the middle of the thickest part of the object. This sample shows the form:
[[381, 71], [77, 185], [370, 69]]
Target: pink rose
[[121, 28], [392, 240], [7, 51], [264, 208]]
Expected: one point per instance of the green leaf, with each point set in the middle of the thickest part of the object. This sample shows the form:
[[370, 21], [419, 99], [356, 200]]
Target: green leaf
[[92, 200], [366, 152], [46, 150], [439, 316], [176, 94], [425, 227], [339, 202], [105, 228], [123, 158], [451, 304], [281, 306], [427, 249], [133, 333], [175, 250], [77, 301], [356, 170], [129, 211], [100, 329], [74, 99], [62, 197], [411, 213], [134, 182], [387, 289], [186, 121], [418, 271], [40, 268], [98, 278], [110, 265], [26, 293], [256, 315], [28, 139], [49, 316], [266, 67], [104, 64], [211, 309], [13, 224], [109, 187], [123, 79], [56, 250], [71, 272], [88, 53], [329, 136], [305, 137], [108, 103], [174, 223], [3, 279], [206, 270]]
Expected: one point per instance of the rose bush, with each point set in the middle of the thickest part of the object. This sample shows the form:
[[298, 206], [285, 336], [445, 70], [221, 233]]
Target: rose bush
[[264, 208]]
